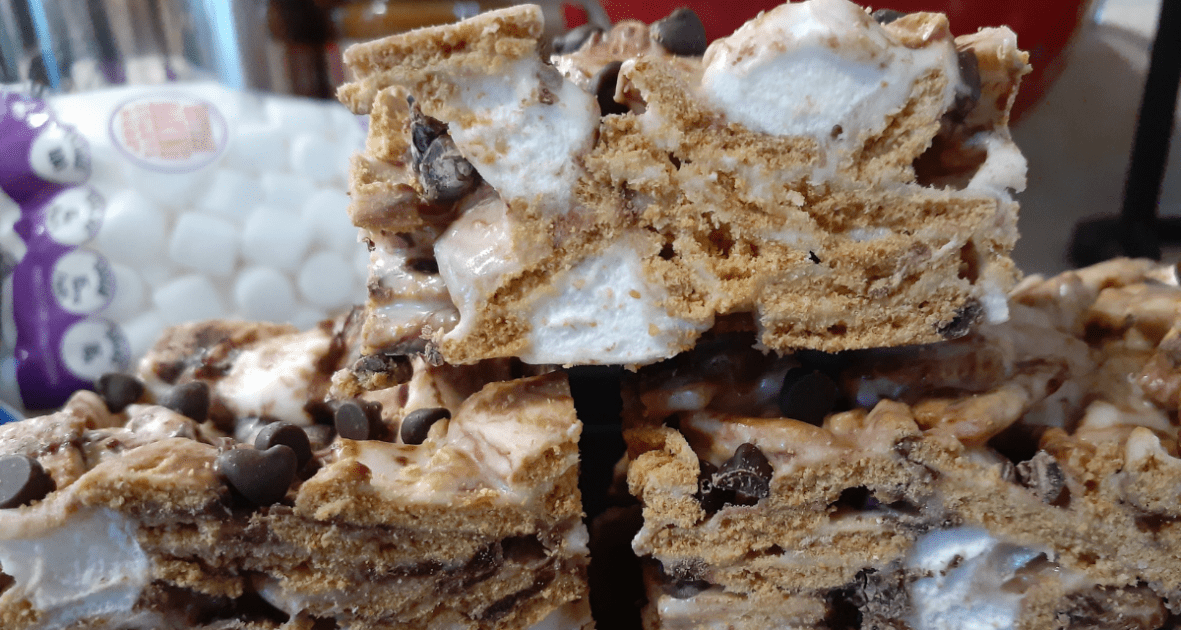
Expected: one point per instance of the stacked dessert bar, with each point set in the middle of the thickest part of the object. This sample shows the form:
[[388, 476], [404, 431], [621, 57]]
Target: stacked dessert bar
[[222, 489], [798, 238], [840, 411]]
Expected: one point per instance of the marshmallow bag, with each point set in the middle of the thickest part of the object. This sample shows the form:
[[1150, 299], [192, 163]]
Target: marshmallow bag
[[127, 210]]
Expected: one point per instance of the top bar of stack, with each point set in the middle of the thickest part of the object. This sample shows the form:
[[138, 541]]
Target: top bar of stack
[[830, 180]]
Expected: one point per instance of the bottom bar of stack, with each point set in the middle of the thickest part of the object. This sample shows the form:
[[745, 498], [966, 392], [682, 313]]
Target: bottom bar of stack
[[154, 519], [1025, 476]]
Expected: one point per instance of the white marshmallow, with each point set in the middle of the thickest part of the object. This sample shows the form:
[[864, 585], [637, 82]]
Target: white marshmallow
[[264, 293], [205, 243], [286, 191], [348, 128], [132, 230], [806, 68], [326, 212], [188, 298], [232, 194], [297, 114], [128, 299], [326, 279], [313, 156], [172, 191], [275, 237], [257, 148], [142, 332]]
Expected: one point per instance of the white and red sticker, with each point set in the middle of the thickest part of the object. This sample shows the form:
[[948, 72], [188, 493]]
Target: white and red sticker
[[171, 133]]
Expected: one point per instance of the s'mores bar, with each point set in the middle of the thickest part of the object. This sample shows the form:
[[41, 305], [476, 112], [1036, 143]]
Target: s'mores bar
[[830, 178], [1023, 476], [224, 489]]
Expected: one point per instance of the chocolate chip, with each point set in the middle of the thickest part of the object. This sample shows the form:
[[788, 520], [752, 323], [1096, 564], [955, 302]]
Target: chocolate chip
[[190, 399], [417, 423], [261, 477], [603, 86], [885, 16], [684, 589], [747, 474], [423, 131], [397, 366], [22, 481], [1044, 477], [573, 39], [288, 435], [685, 580], [681, 33], [711, 498], [968, 93], [962, 323], [523, 549], [807, 395], [118, 390], [359, 420], [445, 175], [429, 266]]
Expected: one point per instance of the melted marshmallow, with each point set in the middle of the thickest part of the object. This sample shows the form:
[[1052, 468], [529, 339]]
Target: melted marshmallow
[[91, 566], [968, 568], [509, 109], [605, 311], [272, 377], [803, 69]]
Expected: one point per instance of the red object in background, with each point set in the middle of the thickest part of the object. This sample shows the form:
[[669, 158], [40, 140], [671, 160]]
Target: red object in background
[[1043, 27]]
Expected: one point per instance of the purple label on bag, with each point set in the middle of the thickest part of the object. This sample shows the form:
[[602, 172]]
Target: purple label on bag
[[61, 346], [38, 154], [59, 286]]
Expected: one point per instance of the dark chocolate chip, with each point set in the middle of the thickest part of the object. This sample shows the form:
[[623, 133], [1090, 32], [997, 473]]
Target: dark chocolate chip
[[523, 549], [807, 395], [685, 580], [190, 399], [396, 365], [261, 477], [963, 321], [681, 33], [288, 435], [423, 131], [684, 589], [445, 175], [711, 498], [22, 481], [417, 423], [429, 266], [118, 390], [968, 93], [1043, 476], [747, 474], [858, 498], [603, 86], [885, 16], [359, 420], [573, 39]]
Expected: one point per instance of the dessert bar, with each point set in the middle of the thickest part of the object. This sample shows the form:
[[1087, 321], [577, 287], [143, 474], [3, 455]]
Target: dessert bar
[[1023, 476], [831, 179], [223, 490]]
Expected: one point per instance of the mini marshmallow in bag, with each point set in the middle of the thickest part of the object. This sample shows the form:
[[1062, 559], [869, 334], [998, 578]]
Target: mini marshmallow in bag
[[130, 209]]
